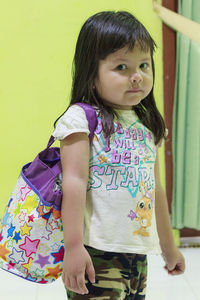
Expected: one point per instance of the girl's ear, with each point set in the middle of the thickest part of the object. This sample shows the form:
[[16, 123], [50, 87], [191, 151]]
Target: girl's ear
[[143, 188]]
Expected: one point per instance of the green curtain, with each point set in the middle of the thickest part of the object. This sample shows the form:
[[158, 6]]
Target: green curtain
[[186, 126]]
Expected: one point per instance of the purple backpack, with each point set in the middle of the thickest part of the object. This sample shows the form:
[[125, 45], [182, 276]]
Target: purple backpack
[[31, 233]]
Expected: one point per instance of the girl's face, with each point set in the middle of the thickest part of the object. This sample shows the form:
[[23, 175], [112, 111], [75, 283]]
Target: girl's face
[[125, 77]]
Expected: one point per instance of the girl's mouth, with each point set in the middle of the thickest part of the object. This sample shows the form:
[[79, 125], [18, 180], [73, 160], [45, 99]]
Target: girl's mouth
[[134, 91]]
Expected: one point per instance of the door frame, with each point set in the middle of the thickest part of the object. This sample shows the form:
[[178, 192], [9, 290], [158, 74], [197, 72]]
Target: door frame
[[169, 76]]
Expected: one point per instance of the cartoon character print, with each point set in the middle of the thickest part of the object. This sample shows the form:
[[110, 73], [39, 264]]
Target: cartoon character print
[[144, 211]]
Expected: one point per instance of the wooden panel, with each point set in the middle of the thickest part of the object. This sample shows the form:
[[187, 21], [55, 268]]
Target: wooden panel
[[169, 57], [185, 232]]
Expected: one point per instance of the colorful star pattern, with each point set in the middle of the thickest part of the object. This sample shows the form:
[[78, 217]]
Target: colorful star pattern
[[55, 247], [54, 224], [17, 256], [44, 249], [31, 238], [46, 234], [26, 229], [28, 265], [31, 218], [42, 260], [31, 278], [11, 230], [5, 218], [10, 265], [4, 251], [43, 281], [29, 246], [58, 255], [38, 273], [30, 203], [22, 217], [17, 210], [56, 214], [40, 210], [24, 191], [10, 243], [46, 216], [17, 237], [54, 272]]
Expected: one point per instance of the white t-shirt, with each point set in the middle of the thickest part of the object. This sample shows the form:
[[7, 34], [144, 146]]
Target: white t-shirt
[[120, 204]]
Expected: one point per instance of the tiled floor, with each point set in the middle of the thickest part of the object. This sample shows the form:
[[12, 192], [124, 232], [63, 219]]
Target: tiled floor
[[161, 286]]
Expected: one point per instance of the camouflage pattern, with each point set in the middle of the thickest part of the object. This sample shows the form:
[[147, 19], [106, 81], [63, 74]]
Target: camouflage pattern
[[118, 276]]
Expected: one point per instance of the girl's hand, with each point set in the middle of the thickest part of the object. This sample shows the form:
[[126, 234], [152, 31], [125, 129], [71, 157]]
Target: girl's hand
[[76, 263], [175, 262]]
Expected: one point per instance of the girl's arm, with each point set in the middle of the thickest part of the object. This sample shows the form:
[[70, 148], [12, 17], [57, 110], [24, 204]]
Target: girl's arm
[[74, 151], [175, 263]]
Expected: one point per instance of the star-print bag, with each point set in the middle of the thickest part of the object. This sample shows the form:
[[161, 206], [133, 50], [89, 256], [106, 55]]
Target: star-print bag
[[31, 234]]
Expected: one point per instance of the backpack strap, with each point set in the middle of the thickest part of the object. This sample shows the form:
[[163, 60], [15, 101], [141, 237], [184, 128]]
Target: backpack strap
[[91, 118]]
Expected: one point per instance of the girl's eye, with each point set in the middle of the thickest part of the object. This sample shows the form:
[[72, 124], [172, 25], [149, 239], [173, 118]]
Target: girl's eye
[[122, 67], [144, 65]]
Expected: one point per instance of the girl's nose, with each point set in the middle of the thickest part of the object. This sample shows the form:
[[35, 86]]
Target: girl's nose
[[136, 78]]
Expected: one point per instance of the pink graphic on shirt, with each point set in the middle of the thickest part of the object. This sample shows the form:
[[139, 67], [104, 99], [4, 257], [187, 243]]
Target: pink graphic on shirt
[[132, 215], [124, 158]]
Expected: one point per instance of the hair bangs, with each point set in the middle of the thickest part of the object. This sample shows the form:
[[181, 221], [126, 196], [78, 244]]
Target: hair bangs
[[144, 43], [125, 30]]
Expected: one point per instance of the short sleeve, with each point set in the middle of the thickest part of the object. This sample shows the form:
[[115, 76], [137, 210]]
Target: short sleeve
[[74, 120]]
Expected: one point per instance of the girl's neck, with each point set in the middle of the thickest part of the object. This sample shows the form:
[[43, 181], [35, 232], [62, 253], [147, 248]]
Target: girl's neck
[[118, 107]]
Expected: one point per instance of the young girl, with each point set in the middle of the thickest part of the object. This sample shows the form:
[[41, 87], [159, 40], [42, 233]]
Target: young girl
[[114, 209]]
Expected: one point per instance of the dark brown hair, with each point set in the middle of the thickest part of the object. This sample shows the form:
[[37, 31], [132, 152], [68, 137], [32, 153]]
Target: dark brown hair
[[101, 35]]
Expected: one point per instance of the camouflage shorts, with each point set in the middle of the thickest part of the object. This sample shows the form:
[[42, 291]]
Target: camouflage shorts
[[118, 276]]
